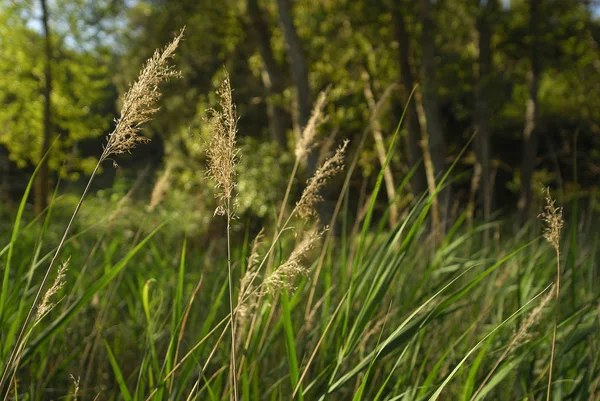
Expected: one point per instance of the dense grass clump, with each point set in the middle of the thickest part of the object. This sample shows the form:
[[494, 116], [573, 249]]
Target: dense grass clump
[[303, 309]]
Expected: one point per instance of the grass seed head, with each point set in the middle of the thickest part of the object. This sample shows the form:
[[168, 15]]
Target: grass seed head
[[310, 196], [75, 387], [222, 152], [247, 295], [284, 276], [139, 102], [523, 335], [307, 139], [59, 282], [553, 220]]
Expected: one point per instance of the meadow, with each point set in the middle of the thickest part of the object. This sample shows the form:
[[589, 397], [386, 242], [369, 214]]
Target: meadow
[[103, 297]]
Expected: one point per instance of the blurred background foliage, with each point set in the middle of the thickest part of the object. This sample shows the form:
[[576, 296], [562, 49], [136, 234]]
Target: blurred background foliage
[[358, 50]]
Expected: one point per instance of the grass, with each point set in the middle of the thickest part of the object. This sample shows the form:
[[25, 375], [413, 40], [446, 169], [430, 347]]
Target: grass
[[354, 311]]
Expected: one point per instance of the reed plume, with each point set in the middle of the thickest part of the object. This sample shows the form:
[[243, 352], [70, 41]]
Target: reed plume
[[307, 141], [222, 161], [139, 102], [520, 337], [59, 282], [552, 217], [310, 196], [284, 276]]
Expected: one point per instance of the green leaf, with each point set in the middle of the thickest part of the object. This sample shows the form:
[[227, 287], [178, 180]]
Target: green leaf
[[118, 375]]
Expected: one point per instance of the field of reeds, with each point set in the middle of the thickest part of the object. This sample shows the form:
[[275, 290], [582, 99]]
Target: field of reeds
[[95, 304]]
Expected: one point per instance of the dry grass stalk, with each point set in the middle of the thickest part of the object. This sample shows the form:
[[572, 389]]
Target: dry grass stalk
[[310, 197], [520, 337], [276, 280], [75, 387], [139, 102], [222, 152], [59, 282], [222, 160], [338, 205], [284, 276], [304, 146], [552, 217], [307, 140], [247, 294]]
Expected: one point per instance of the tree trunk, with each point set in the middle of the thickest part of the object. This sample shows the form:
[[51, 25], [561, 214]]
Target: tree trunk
[[482, 112], [299, 69], [531, 114], [271, 75], [413, 149], [388, 177], [42, 183], [436, 142]]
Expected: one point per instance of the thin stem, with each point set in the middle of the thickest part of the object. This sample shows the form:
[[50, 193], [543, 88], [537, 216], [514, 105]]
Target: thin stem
[[232, 320], [555, 323], [314, 353], [338, 205], [13, 356], [287, 192], [282, 210]]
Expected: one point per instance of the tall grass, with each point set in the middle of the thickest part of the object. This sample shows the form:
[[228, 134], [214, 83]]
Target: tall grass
[[138, 107], [349, 311]]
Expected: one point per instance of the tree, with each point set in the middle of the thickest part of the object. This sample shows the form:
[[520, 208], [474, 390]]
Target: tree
[[413, 138], [42, 184], [299, 70], [483, 75], [49, 88], [435, 134], [272, 77], [530, 140]]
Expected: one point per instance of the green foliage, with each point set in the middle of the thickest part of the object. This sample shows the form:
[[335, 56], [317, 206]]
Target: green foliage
[[454, 294], [81, 96], [256, 172]]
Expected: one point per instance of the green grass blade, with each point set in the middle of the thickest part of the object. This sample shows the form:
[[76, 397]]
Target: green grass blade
[[77, 305], [118, 374], [291, 344], [15, 231], [437, 393]]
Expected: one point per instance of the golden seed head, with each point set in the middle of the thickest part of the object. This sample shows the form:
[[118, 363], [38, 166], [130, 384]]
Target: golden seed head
[[310, 196], [59, 281], [553, 220], [284, 276], [307, 139], [222, 152], [139, 102], [523, 334]]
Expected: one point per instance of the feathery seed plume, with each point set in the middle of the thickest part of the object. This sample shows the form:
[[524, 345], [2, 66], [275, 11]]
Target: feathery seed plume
[[222, 152], [307, 141], [139, 101], [520, 337], [284, 276], [58, 284], [523, 333], [246, 286], [310, 196], [552, 217]]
